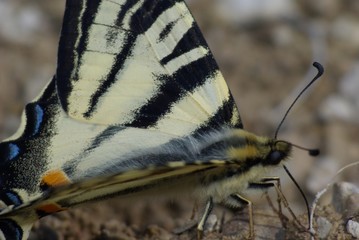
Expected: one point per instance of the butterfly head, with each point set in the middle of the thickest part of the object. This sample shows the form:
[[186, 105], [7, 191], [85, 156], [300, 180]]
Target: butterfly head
[[250, 150], [247, 148], [279, 150]]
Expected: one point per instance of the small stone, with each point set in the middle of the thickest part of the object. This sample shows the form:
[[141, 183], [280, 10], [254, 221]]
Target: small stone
[[345, 104], [353, 228], [352, 204], [246, 11], [344, 198], [20, 25], [211, 222], [324, 227], [337, 107]]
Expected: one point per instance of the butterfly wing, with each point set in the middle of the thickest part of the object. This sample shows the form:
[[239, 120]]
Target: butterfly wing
[[123, 184], [133, 78], [16, 221], [141, 64]]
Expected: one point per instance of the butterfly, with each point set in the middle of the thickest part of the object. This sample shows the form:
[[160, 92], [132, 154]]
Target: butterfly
[[137, 104]]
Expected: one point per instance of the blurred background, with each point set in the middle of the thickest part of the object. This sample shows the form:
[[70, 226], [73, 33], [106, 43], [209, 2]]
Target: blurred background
[[265, 50]]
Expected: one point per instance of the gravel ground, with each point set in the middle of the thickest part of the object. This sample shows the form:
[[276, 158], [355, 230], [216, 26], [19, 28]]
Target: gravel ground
[[265, 54]]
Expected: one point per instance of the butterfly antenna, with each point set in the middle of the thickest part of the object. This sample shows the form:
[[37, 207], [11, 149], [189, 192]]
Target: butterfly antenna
[[300, 190], [312, 152], [320, 69]]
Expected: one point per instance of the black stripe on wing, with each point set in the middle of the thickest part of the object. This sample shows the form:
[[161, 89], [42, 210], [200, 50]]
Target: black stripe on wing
[[173, 88], [140, 21], [11, 229], [68, 53], [111, 77], [223, 117], [192, 39]]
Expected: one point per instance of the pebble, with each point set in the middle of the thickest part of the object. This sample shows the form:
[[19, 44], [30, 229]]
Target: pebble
[[344, 105], [323, 227], [244, 11], [353, 228], [345, 198], [20, 25], [211, 222]]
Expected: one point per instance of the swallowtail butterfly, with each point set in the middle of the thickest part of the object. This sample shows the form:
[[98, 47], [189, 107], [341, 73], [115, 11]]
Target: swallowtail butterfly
[[137, 103]]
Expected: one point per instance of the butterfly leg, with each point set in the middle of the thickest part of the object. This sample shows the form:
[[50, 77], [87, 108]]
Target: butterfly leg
[[265, 183], [202, 222], [275, 182], [247, 202], [268, 182]]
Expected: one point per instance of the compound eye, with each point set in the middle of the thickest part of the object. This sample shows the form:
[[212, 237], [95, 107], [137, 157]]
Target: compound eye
[[275, 157]]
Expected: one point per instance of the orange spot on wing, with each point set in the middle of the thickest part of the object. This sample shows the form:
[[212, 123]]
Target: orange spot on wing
[[50, 208], [55, 178]]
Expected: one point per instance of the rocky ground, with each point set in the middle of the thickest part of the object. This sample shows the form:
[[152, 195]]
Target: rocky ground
[[265, 53]]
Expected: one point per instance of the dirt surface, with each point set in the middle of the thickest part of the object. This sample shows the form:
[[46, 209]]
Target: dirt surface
[[265, 60]]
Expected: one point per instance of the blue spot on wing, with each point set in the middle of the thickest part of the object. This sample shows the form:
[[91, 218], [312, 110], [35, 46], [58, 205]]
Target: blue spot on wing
[[34, 119], [11, 229], [14, 198], [14, 150], [39, 116]]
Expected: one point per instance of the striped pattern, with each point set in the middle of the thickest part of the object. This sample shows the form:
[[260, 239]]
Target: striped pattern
[[152, 47], [128, 72]]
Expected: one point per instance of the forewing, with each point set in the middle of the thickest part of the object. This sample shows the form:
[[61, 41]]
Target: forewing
[[141, 64]]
